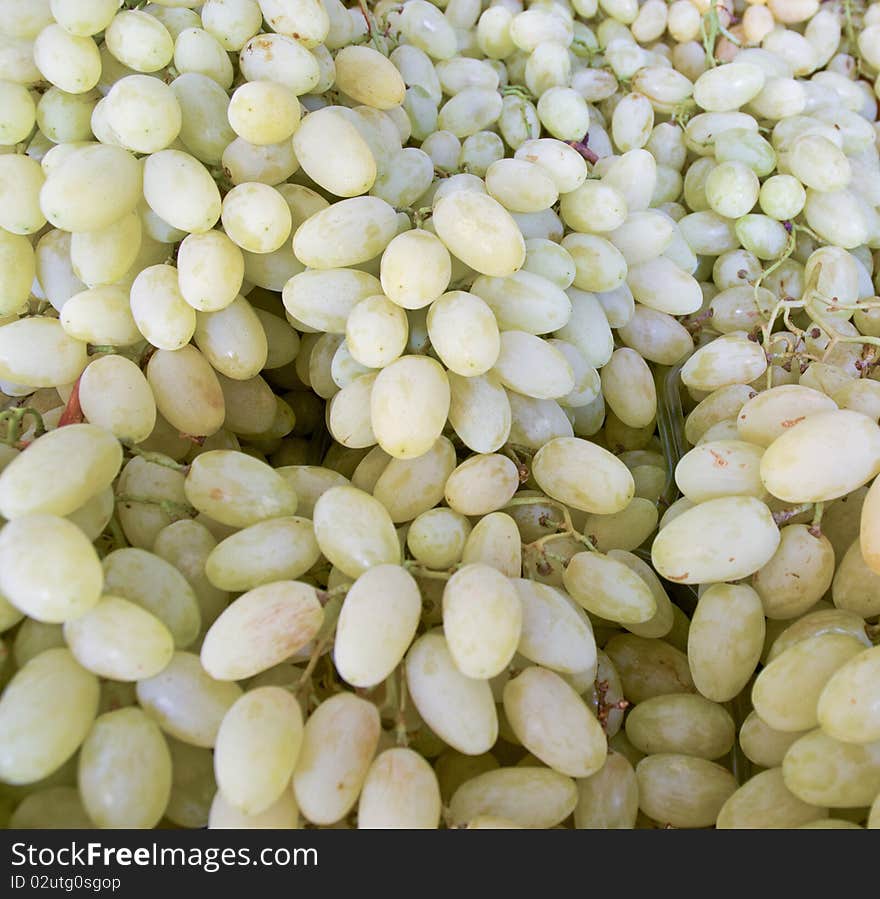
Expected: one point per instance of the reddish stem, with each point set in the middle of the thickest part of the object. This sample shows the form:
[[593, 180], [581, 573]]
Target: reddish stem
[[73, 413], [582, 146]]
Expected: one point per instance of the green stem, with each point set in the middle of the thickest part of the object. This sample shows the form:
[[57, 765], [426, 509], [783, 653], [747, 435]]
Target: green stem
[[816, 526], [317, 652], [158, 459], [171, 508], [14, 419], [419, 570]]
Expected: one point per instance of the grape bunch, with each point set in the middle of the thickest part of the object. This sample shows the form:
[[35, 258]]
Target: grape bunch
[[439, 414]]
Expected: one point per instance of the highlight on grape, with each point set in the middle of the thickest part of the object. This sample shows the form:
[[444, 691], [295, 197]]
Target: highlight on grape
[[452, 414]]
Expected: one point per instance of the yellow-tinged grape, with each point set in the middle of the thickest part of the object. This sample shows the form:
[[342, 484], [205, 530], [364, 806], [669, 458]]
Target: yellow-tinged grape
[[34, 637], [856, 586], [323, 300], [764, 802], [798, 575], [822, 621], [408, 487], [399, 791], [238, 490], [583, 476], [608, 588], [823, 771], [628, 529], [260, 629], [95, 454], [186, 702], [681, 790], [408, 406], [21, 180], [529, 797], [46, 711], [869, 534], [232, 339], [19, 113], [532, 367], [720, 539], [369, 77], [338, 744], [729, 359], [459, 709], [376, 331], [92, 188], [482, 484], [554, 723], [725, 640], [210, 268], [682, 723], [70, 62], [156, 586], [482, 620], [354, 530], [119, 640], [719, 468], [826, 456], [772, 413], [553, 634], [436, 538], [54, 808], [257, 748], [102, 316], [479, 411], [17, 271], [39, 352], [125, 771], [333, 153], [849, 707], [180, 190], [787, 690], [376, 625], [187, 391], [480, 232], [464, 333], [649, 667], [525, 301], [281, 815], [762, 744], [608, 799], [115, 395], [347, 233], [192, 785], [273, 550]]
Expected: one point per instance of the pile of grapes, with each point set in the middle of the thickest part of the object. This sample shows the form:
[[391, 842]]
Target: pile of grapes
[[452, 414]]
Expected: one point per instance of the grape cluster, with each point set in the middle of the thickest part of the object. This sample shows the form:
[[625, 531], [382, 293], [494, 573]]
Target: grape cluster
[[451, 413]]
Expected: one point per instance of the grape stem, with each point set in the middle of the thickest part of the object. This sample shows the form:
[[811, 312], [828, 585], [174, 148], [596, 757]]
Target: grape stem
[[317, 652], [400, 724], [521, 467], [816, 526], [324, 596], [783, 516], [419, 570], [73, 413], [582, 146], [116, 535], [603, 708], [710, 33], [14, 418], [172, 509], [158, 459]]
